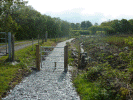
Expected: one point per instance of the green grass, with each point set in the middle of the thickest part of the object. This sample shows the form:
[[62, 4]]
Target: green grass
[[7, 73], [10, 75], [89, 90]]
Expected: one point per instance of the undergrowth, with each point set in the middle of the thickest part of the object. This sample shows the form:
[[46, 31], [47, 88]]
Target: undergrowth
[[109, 72]]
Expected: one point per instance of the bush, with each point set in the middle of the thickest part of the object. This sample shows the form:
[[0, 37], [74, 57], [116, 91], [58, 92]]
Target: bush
[[100, 33], [93, 73], [82, 32]]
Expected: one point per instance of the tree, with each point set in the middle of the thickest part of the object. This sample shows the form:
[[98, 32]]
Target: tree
[[96, 24], [6, 12], [73, 26], [109, 30], [57, 26], [65, 28], [83, 25], [93, 29], [77, 26], [124, 26], [116, 25], [88, 24], [131, 25]]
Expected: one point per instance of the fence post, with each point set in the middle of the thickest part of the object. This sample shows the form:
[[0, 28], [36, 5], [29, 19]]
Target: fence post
[[9, 45], [37, 58], [55, 38], [50, 37], [46, 36], [38, 39], [6, 36], [65, 58], [32, 45], [12, 36], [79, 56]]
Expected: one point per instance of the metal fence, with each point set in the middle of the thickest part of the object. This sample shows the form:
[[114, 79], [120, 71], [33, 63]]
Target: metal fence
[[50, 55], [3, 43]]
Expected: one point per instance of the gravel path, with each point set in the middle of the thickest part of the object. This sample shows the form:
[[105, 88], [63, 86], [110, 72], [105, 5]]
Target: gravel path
[[47, 84]]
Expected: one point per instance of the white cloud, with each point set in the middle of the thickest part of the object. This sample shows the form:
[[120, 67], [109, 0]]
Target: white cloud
[[84, 9]]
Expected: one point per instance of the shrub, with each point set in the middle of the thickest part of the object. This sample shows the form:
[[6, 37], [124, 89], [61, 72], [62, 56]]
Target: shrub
[[93, 73]]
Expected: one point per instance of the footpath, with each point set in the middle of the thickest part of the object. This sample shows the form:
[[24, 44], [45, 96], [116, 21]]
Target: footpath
[[48, 83]]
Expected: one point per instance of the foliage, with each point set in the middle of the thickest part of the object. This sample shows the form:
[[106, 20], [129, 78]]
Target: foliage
[[93, 29], [110, 67], [88, 90], [75, 26], [85, 24], [82, 32], [129, 41], [28, 23], [100, 33]]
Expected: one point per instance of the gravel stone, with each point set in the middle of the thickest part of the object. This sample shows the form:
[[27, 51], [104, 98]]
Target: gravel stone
[[49, 83]]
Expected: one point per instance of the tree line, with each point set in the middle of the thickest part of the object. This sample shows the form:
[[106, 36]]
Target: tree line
[[27, 23], [112, 27], [84, 25], [116, 26]]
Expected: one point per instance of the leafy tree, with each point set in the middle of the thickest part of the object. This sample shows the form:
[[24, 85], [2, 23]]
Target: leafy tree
[[50, 26], [131, 25], [88, 24], [96, 24], [115, 24], [108, 29], [57, 27], [73, 26], [93, 29], [27, 18], [83, 25], [6, 11], [77, 26], [124, 26], [65, 28]]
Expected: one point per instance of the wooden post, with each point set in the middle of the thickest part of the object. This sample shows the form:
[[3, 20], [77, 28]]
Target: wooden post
[[6, 41], [12, 47], [79, 56], [32, 45], [55, 64], [42, 38], [46, 36], [9, 45], [65, 58], [38, 39], [50, 37], [55, 38], [37, 58]]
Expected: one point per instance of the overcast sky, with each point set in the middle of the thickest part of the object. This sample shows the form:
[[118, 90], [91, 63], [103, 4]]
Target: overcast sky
[[92, 10]]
